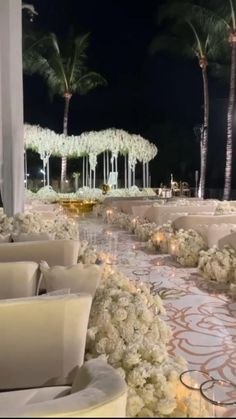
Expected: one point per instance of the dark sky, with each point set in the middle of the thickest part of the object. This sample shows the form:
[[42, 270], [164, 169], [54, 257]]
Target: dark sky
[[159, 97]]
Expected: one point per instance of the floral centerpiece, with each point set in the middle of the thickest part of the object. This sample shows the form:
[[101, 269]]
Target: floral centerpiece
[[145, 230], [186, 246], [218, 265], [161, 237], [47, 194]]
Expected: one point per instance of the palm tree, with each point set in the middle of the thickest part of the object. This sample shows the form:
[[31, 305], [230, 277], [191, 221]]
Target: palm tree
[[62, 65], [193, 39], [222, 14]]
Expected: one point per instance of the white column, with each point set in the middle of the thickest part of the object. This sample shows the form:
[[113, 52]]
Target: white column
[[125, 157], [83, 176], [94, 178], [25, 167], [108, 166], [144, 175], [116, 170], [104, 167], [48, 173], [129, 174], [147, 175], [134, 176], [86, 171], [12, 135]]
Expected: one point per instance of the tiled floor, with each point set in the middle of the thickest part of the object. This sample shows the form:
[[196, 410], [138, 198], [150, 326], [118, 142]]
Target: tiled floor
[[203, 323]]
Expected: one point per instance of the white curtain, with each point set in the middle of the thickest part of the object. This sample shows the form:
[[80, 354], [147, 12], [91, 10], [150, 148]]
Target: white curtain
[[11, 108]]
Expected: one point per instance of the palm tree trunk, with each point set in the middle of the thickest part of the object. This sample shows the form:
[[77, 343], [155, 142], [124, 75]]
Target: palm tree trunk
[[67, 98], [204, 135], [229, 144]]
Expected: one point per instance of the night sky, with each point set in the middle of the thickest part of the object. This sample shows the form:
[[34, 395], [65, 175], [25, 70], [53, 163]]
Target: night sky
[[158, 97]]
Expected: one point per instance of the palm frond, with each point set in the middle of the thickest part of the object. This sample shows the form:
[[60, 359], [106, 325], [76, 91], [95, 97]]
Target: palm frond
[[88, 82], [173, 45]]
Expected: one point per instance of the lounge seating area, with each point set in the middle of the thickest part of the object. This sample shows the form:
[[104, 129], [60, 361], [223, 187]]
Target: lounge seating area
[[43, 373]]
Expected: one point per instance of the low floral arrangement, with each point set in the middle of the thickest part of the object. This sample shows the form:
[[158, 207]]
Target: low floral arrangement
[[225, 207], [144, 231], [90, 194], [60, 227], [218, 265], [186, 246], [161, 238], [126, 329], [47, 194]]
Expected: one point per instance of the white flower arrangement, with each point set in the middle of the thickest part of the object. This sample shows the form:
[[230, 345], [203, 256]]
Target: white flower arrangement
[[145, 230], [218, 265], [225, 207], [47, 194], [186, 246], [125, 328], [61, 227], [161, 238], [89, 194]]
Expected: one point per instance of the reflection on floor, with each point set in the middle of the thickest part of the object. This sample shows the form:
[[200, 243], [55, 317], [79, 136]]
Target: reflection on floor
[[203, 323]]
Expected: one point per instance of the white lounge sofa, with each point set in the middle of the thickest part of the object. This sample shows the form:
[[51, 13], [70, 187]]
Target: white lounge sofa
[[190, 221], [42, 350]]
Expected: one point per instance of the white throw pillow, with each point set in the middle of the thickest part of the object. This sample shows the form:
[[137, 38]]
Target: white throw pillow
[[18, 279], [78, 278], [29, 237], [5, 239]]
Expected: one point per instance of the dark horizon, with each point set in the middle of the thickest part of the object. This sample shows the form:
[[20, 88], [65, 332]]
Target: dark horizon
[[159, 97]]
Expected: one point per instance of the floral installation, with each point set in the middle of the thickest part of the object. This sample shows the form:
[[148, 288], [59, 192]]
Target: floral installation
[[225, 207], [218, 265], [186, 246], [92, 143], [125, 328], [161, 237]]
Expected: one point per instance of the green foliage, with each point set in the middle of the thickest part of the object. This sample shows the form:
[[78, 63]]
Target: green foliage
[[61, 63], [195, 30]]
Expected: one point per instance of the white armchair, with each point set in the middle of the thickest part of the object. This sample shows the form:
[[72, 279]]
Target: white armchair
[[42, 350]]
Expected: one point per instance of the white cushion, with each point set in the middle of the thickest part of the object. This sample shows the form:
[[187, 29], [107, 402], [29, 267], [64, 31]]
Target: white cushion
[[24, 237], [77, 278], [18, 279], [98, 391]]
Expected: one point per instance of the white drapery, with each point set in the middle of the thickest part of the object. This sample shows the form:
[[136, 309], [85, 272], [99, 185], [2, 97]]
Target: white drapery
[[11, 107]]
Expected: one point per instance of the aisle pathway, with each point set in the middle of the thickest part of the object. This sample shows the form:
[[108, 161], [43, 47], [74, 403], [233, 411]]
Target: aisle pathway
[[203, 323]]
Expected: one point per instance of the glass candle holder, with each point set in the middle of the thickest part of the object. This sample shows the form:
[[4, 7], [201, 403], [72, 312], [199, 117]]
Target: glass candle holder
[[221, 394], [141, 274], [197, 406]]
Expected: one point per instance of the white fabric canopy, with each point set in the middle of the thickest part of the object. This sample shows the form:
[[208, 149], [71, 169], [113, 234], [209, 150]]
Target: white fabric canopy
[[11, 107]]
